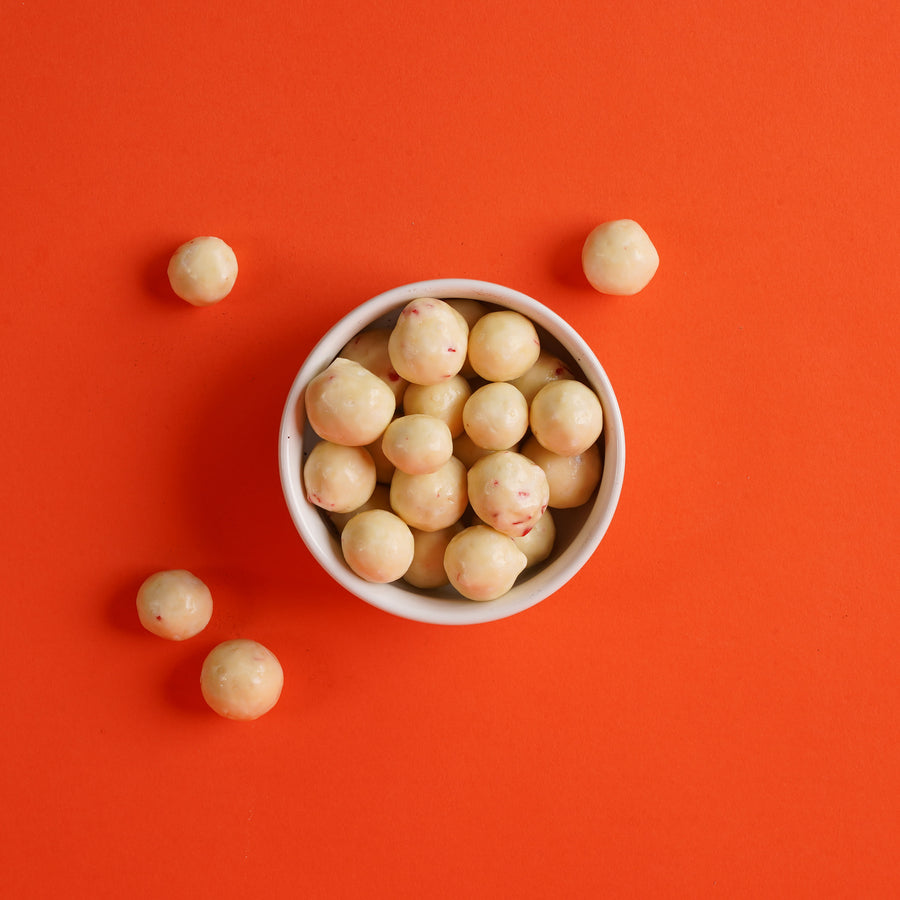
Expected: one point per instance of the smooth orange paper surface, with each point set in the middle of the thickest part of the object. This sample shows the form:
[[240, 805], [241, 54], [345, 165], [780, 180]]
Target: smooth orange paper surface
[[710, 707]]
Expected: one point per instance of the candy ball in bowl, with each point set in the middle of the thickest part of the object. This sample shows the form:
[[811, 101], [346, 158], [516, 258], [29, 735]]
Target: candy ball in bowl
[[452, 452]]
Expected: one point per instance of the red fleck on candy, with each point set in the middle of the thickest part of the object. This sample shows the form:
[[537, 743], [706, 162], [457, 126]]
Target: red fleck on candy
[[393, 376], [523, 494]]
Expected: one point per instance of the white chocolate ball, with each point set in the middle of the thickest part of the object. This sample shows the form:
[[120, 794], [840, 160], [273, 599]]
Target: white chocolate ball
[[417, 444], [174, 604], [496, 416], [426, 571], [566, 417], [370, 350], [348, 404], [619, 258], [444, 400], [433, 501], [508, 492], [547, 368], [377, 545], [380, 499], [503, 345], [241, 679], [428, 342], [537, 545], [572, 479], [338, 478], [483, 564], [203, 270]]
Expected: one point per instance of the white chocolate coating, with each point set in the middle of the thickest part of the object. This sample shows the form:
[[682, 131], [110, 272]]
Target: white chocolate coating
[[384, 468], [572, 479], [496, 416], [503, 345], [380, 499], [174, 604], [417, 444], [508, 492], [547, 368], [203, 270], [428, 343], [566, 417], [537, 545], [444, 400], [467, 451], [338, 478], [483, 564], [427, 568], [619, 258], [471, 311], [370, 350], [431, 502], [377, 545], [241, 679], [348, 404]]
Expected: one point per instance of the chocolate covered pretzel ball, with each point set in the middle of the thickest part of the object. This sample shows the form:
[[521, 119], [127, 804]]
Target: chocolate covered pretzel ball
[[508, 492], [203, 271], [338, 478], [433, 501], [482, 563], [496, 416], [347, 404], [619, 258], [566, 417], [174, 604], [378, 546], [428, 343], [241, 679], [444, 400], [417, 444], [503, 345]]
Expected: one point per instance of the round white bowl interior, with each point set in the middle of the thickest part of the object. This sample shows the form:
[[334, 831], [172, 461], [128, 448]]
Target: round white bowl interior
[[579, 532]]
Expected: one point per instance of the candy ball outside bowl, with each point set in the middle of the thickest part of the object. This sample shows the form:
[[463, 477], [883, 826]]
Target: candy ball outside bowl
[[579, 531]]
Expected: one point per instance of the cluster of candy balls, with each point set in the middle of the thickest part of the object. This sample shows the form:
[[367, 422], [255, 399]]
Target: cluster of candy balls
[[240, 679], [447, 437], [445, 440]]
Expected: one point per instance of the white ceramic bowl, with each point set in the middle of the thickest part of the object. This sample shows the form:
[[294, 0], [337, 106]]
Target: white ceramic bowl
[[579, 531]]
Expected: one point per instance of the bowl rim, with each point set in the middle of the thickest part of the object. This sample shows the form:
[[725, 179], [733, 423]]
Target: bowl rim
[[405, 603]]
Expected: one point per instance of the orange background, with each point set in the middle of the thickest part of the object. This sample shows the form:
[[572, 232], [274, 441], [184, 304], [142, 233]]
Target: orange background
[[710, 707]]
